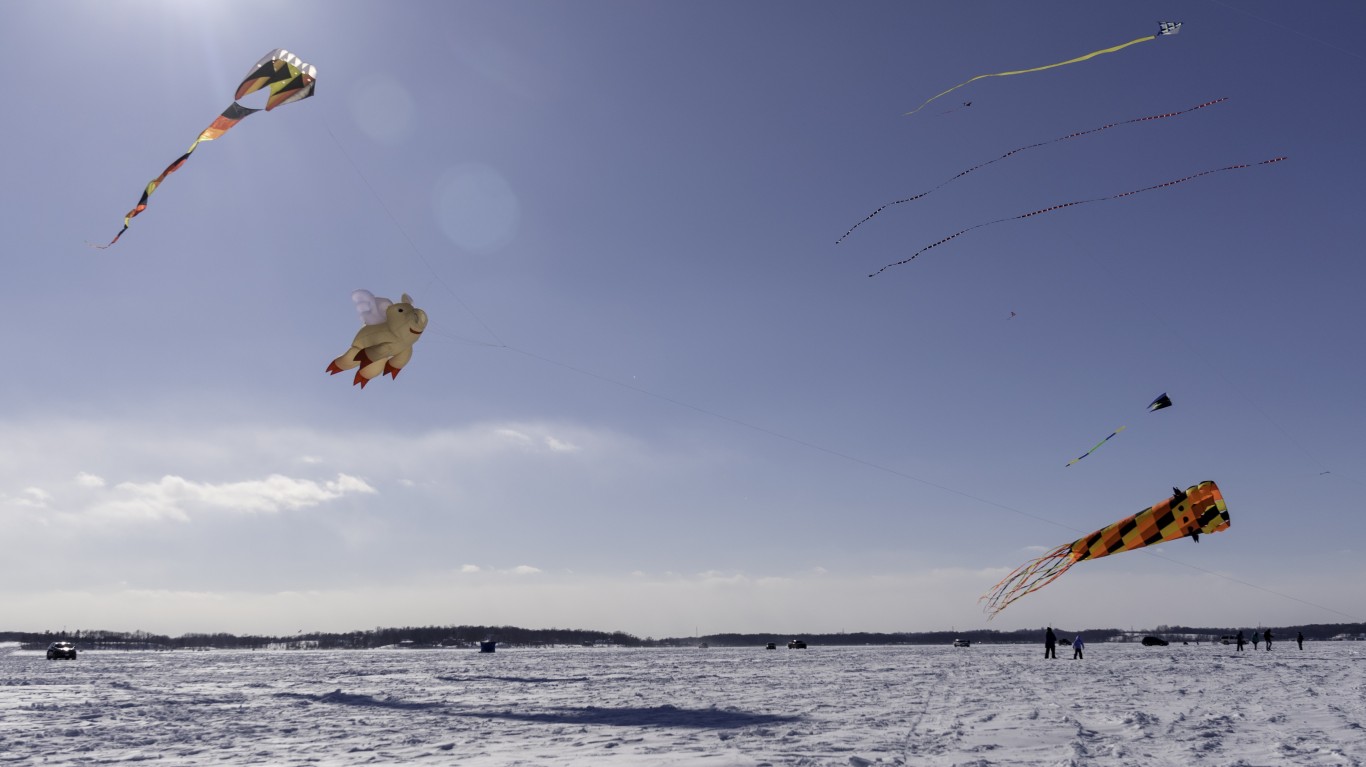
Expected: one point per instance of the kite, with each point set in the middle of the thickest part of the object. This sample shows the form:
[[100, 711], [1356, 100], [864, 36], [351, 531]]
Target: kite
[[1060, 206], [1198, 510], [1161, 402], [289, 79], [385, 343], [1163, 28], [1017, 150]]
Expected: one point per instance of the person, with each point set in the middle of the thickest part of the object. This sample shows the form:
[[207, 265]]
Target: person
[[1255, 638], [1050, 643], [1240, 640], [1267, 638], [1077, 644], [1299, 639]]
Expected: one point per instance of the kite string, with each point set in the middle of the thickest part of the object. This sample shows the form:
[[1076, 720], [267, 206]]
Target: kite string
[[1017, 150], [1060, 206]]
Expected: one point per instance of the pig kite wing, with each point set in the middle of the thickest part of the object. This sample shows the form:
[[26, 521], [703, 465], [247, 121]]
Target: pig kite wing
[[1162, 401], [1163, 28], [1200, 509], [289, 80], [384, 344]]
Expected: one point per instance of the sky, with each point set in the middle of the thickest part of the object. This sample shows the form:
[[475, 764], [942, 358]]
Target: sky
[[655, 395]]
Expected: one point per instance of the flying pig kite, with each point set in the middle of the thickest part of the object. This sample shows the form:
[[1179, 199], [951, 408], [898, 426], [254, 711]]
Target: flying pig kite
[[385, 343], [289, 80], [1163, 28], [1200, 509]]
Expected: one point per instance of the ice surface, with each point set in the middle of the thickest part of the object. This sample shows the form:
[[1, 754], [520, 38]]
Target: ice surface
[[940, 706]]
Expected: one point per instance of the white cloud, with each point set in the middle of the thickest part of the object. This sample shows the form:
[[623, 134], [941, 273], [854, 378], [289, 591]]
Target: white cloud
[[526, 570], [85, 479], [560, 446], [172, 497], [34, 497], [513, 436], [469, 568]]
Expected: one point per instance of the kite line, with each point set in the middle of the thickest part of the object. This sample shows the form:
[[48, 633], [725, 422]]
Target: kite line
[[1017, 150], [1164, 28], [1060, 206]]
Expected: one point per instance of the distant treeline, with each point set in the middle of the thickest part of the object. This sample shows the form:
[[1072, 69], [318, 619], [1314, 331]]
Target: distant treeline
[[514, 636]]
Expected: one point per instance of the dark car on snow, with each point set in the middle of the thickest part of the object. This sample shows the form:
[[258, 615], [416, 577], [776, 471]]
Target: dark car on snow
[[62, 650]]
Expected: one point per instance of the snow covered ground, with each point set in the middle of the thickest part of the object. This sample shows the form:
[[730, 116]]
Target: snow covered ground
[[985, 705]]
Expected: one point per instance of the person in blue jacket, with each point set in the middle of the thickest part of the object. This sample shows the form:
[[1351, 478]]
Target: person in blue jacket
[[1077, 645]]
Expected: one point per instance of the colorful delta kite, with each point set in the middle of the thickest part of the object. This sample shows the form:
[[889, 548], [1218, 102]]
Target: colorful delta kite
[[1163, 28], [1017, 150], [1074, 203], [1163, 401], [385, 343], [1199, 510], [289, 80]]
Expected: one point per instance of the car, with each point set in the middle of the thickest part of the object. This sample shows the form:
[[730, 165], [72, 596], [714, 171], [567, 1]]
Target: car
[[62, 650], [962, 643], [796, 644]]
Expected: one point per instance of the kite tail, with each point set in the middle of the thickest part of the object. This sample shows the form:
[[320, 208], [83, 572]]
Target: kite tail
[[1090, 55], [230, 117], [1028, 578], [1061, 206]]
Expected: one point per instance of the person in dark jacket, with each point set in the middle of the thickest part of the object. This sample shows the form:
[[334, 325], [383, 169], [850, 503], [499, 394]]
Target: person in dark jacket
[[1299, 639], [1240, 640], [1050, 643], [1255, 638], [1266, 637]]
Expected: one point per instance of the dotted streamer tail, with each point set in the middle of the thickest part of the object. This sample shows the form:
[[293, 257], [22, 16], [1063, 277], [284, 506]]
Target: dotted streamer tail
[[1052, 208]]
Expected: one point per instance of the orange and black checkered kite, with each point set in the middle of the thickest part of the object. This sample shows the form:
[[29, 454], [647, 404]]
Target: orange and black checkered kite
[[1200, 509], [289, 80]]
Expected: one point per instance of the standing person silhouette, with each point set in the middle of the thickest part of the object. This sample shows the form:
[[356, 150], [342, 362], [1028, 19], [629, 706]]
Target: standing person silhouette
[[1255, 638], [1240, 640], [1267, 638], [1050, 643], [1077, 646], [1299, 639]]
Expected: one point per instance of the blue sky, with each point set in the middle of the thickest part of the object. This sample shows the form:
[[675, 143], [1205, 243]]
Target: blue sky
[[655, 395]]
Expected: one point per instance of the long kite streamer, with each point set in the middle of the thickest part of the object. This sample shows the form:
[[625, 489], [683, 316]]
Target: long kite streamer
[[289, 79], [1162, 401], [1199, 510], [1164, 28], [1017, 150], [1052, 208]]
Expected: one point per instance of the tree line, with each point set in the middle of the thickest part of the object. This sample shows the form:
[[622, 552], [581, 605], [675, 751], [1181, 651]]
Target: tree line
[[516, 636]]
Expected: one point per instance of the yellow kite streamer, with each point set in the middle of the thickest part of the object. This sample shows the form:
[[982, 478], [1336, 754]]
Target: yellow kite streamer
[[1164, 28]]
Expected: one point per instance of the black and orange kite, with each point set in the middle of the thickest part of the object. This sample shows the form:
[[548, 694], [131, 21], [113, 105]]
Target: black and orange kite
[[1200, 509], [289, 80]]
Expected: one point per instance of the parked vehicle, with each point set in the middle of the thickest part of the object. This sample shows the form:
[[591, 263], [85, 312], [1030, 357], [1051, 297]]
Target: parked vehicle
[[62, 650], [796, 644], [962, 643]]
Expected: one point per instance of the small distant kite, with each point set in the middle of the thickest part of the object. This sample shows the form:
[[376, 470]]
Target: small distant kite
[[1060, 206], [1163, 28], [1163, 401], [1199, 510], [289, 79], [1017, 150], [385, 343]]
